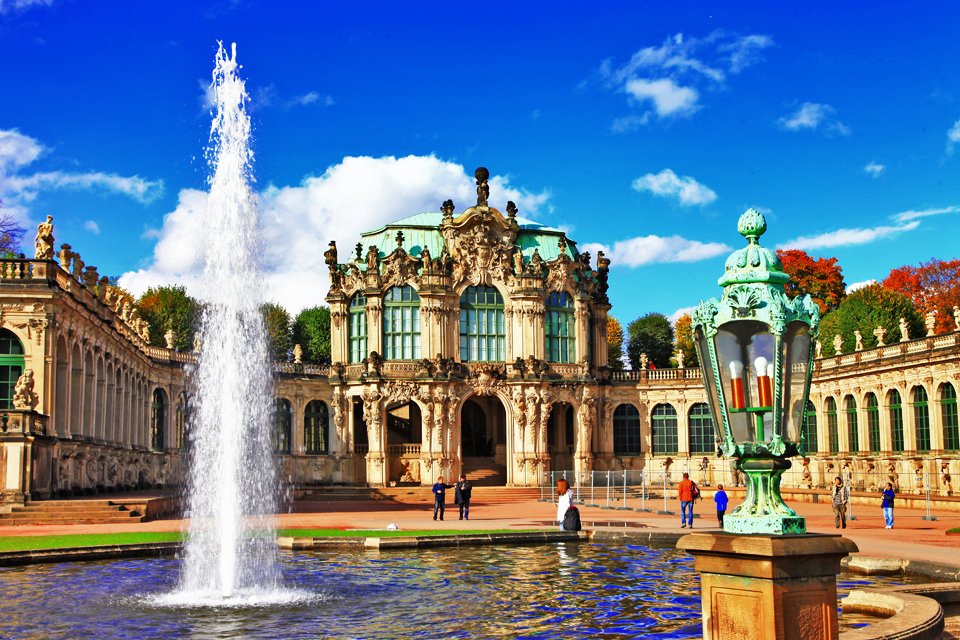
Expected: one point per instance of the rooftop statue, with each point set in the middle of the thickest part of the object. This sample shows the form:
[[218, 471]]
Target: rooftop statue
[[483, 189], [44, 240]]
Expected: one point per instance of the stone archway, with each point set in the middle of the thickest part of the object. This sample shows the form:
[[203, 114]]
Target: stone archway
[[483, 440]]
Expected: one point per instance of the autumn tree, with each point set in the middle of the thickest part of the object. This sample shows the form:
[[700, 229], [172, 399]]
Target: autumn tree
[[683, 333], [821, 278], [276, 321], [864, 310], [651, 334], [311, 330], [614, 344], [169, 309], [933, 286]]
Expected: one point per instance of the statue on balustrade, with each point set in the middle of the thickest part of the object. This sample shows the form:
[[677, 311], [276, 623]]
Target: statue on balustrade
[[44, 240]]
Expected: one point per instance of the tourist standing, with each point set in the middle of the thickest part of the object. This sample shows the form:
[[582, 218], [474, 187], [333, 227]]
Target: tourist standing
[[887, 505], [685, 493], [839, 496], [564, 500], [439, 497], [720, 497], [461, 496]]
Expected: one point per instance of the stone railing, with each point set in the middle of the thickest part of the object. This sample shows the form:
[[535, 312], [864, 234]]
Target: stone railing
[[891, 352], [22, 421], [656, 375], [16, 269], [296, 368], [403, 449]]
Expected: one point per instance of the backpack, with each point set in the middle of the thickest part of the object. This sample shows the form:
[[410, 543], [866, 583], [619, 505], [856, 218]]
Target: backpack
[[695, 491], [571, 519]]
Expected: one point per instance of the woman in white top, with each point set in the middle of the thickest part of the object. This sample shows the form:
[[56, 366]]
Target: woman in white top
[[564, 500]]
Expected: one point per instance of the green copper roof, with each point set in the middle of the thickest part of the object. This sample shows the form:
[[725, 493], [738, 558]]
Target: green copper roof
[[753, 263]]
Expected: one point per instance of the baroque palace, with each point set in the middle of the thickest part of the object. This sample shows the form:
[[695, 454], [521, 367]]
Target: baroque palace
[[471, 341]]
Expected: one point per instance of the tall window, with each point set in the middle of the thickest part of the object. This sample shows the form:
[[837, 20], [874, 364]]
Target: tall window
[[872, 408], [357, 330], [853, 434], [701, 429], [810, 428], [401, 324], [896, 421], [561, 340], [11, 366], [948, 411], [921, 416], [180, 422], [282, 419], [315, 428], [482, 334], [833, 429], [626, 431], [158, 420], [663, 423]]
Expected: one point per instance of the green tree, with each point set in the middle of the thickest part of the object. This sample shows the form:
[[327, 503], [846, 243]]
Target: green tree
[[311, 330], [650, 334], [169, 308], [614, 344], [276, 321], [864, 310], [683, 331]]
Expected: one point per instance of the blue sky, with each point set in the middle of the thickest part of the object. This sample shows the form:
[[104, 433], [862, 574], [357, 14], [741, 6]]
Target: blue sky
[[646, 128]]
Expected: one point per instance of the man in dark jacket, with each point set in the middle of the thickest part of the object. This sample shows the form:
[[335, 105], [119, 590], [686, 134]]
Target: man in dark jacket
[[439, 497], [462, 496]]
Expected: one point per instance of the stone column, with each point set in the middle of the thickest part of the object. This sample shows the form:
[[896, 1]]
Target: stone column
[[339, 331], [581, 314], [768, 587], [374, 324]]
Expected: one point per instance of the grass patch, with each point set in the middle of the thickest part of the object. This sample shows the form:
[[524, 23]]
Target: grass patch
[[382, 533], [29, 543]]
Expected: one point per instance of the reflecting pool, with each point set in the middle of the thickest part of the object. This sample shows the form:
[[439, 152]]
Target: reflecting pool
[[564, 590]]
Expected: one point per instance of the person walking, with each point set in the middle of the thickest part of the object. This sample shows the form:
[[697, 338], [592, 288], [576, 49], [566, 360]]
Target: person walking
[[461, 496], [720, 497], [564, 500], [887, 505], [685, 491], [840, 496], [440, 497]]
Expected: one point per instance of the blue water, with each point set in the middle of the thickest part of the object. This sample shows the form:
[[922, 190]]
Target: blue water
[[542, 591]]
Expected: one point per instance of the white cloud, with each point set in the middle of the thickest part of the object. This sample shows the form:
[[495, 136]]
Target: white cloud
[[813, 116], [874, 169], [629, 123], [667, 97], [356, 195], [7, 6], [953, 136], [860, 285], [679, 313], [17, 150], [906, 216], [643, 250], [92, 227], [310, 98], [745, 51], [846, 237], [667, 184]]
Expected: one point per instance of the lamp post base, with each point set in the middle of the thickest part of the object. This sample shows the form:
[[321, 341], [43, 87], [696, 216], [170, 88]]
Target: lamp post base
[[769, 525]]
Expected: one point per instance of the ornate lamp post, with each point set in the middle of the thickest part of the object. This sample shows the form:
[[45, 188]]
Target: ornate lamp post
[[755, 349]]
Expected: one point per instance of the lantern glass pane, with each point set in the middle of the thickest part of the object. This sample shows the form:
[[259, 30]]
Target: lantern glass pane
[[709, 379], [743, 348], [796, 372]]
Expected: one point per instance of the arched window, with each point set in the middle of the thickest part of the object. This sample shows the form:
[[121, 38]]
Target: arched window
[[559, 328], [833, 429], [180, 422], [948, 412], [872, 408], [663, 423], [11, 366], [482, 333], [921, 416], [357, 330], [810, 429], [626, 431], [282, 419], [401, 324], [700, 424], [853, 434], [315, 428], [158, 420], [894, 403]]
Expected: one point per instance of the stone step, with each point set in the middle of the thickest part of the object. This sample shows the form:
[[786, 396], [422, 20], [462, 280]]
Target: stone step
[[62, 515], [39, 507], [68, 519]]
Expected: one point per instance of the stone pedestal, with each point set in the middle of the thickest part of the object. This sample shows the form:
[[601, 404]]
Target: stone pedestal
[[768, 587]]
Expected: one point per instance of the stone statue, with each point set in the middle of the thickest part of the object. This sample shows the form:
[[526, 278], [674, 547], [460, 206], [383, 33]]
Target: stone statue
[[703, 468], [90, 277], [78, 265], [297, 354], [644, 360], [374, 363], [44, 240], [946, 482], [196, 342], [879, 333], [23, 395], [373, 259], [447, 208], [918, 476], [807, 477], [330, 259], [65, 255], [859, 345], [519, 366], [512, 209], [103, 286], [893, 476], [679, 357], [536, 263], [603, 271], [838, 344], [930, 321], [818, 346], [168, 338], [956, 317], [483, 189], [426, 258], [562, 244], [518, 261], [904, 330]]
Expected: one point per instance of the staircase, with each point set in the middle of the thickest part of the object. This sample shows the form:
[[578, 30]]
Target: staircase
[[72, 512], [484, 472]]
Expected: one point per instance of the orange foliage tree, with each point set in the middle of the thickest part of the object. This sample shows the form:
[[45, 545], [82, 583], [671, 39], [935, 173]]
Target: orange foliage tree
[[683, 334], [821, 278], [933, 286]]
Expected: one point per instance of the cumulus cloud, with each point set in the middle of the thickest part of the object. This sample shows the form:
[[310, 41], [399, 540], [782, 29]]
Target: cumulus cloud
[[6, 6], [812, 116], [92, 227], [17, 150], [846, 237], [358, 194], [643, 250], [859, 285], [668, 80], [874, 169], [679, 313], [667, 184], [953, 136]]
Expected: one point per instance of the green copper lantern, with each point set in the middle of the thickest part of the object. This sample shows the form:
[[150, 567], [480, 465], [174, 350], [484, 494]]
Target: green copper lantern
[[755, 349]]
